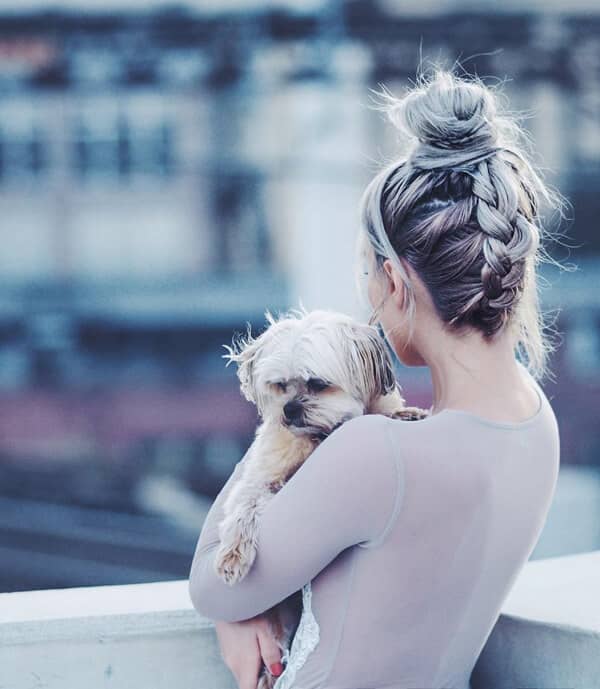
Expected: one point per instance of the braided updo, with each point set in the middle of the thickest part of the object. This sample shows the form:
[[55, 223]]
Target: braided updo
[[462, 209]]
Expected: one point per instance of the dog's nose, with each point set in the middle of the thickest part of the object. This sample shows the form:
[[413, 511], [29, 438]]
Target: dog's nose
[[292, 410]]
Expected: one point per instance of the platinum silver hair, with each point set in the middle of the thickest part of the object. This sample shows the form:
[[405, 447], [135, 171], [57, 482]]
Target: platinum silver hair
[[462, 208]]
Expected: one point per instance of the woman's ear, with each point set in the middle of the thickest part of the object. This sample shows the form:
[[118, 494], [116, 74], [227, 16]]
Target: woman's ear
[[398, 280]]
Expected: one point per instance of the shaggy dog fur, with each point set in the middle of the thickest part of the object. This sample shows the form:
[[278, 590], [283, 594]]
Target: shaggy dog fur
[[307, 373]]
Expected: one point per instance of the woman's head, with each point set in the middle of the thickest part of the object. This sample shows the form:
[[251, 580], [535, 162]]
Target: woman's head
[[456, 219]]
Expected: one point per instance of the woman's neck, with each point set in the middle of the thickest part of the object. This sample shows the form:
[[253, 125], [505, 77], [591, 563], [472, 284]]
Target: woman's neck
[[471, 374]]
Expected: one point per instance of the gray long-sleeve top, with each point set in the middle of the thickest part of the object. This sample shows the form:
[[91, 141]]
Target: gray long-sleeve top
[[411, 534]]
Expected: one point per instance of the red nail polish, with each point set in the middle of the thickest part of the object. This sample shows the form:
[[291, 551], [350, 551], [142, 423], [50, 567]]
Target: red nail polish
[[276, 669]]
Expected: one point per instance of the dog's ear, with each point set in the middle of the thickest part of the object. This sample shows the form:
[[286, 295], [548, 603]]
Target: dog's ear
[[372, 361], [245, 352]]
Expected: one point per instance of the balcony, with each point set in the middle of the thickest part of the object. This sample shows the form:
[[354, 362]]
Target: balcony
[[149, 635]]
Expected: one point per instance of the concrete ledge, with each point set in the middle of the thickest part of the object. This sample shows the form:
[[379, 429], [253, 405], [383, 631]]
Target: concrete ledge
[[149, 635], [548, 636], [124, 637]]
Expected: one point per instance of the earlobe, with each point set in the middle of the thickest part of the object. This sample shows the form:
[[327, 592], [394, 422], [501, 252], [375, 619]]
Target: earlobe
[[388, 267], [397, 282]]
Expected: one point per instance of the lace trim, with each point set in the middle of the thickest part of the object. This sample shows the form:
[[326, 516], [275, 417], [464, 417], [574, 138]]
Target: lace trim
[[304, 642]]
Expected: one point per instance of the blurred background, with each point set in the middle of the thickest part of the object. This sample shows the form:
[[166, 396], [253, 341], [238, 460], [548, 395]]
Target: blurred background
[[170, 170]]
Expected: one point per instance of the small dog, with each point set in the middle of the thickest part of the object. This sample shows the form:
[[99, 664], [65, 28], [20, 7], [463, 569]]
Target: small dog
[[307, 374]]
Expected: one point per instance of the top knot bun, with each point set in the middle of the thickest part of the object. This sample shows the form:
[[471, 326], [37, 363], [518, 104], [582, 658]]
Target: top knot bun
[[448, 113]]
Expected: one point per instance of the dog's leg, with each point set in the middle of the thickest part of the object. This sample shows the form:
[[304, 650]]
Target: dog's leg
[[273, 457], [237, 531], [410, 414], [266, 680], [388, 404], [393, 405]]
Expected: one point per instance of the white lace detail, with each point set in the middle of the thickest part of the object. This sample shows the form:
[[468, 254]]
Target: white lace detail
[[304, 642]]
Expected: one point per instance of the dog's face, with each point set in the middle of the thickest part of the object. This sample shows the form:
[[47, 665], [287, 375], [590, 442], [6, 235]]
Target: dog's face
[[311, 371]]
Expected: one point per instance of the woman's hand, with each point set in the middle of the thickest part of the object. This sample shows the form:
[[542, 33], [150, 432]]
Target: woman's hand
[[245, 646]]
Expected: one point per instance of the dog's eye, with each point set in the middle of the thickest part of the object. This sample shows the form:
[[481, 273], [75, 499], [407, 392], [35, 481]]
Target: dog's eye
[[281, 385], [316, 384]]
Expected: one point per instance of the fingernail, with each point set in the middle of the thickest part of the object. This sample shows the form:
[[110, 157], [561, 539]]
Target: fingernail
[[276, 669]]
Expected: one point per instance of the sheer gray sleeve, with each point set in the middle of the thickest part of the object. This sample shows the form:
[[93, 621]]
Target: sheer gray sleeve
[[346, 493]]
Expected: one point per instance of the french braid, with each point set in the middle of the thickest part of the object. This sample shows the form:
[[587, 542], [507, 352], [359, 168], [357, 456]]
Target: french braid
[[509, 239], [462, 208]]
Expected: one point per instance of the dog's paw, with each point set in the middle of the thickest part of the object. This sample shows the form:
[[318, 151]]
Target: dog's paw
[[231, 565], [410, 414]]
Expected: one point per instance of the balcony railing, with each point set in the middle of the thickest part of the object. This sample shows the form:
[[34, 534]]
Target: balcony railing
[[149, 635]]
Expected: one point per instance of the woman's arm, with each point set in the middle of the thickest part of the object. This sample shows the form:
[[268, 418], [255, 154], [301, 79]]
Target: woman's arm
[[347, 492]]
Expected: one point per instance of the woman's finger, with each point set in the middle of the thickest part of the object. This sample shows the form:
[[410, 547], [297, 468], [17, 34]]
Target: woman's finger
[[269, 649]]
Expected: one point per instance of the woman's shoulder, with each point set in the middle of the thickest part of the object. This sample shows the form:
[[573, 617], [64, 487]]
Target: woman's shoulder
[[359, 440], [398, 438], [361, 431]]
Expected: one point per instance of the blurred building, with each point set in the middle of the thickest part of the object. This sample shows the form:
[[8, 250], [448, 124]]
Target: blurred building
[[168, 172]]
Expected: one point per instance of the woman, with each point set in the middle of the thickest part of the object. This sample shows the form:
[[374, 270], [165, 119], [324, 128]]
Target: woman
[[412, 533]]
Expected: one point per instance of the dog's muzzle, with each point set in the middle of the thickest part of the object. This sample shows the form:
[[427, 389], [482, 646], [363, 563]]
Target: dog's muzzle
[[292, 413]]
